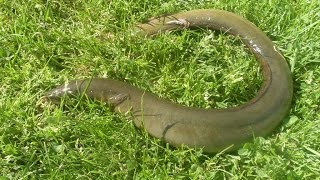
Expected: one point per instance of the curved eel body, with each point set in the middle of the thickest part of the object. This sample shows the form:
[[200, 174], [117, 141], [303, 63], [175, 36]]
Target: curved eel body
[[213, 130]]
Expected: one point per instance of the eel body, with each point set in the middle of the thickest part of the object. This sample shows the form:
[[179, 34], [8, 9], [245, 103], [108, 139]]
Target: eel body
[[213, 130]]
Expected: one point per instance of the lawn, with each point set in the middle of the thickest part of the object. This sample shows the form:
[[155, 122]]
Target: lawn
[[45, 43]]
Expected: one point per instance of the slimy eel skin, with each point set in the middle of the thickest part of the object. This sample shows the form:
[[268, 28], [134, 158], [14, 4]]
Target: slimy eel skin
[[211, 129]]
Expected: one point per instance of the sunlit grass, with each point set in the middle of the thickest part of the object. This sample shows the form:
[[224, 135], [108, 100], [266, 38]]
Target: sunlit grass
[[43, 44]]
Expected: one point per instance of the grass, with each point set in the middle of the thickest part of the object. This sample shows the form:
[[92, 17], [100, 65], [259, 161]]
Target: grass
[[44, 43]]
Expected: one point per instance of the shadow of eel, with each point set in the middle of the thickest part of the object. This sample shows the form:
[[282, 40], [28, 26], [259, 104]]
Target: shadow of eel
[[210, 129]]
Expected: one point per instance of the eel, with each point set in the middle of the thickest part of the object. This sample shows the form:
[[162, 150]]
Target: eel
[[212, 130]]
